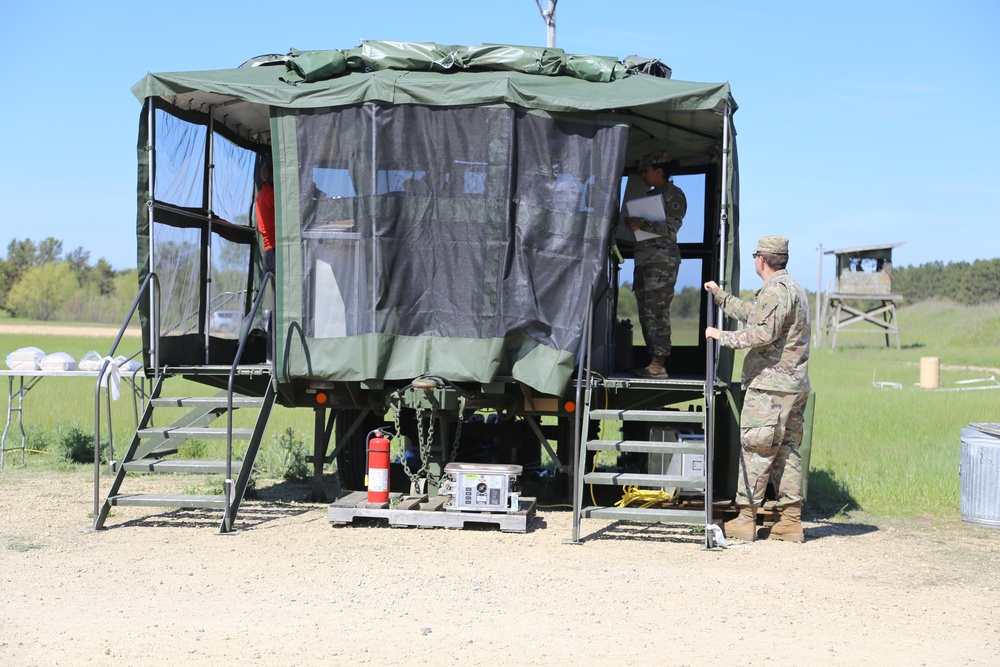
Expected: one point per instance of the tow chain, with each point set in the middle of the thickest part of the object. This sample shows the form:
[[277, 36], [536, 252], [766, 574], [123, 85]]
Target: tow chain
[[425, 438]]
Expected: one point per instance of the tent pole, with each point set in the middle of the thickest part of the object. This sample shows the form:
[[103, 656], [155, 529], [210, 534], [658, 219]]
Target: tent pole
[[724, 210], [209, 178], [154, 314]]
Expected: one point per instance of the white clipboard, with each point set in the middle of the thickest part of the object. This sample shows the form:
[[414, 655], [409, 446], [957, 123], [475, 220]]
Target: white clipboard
[[651, 208]]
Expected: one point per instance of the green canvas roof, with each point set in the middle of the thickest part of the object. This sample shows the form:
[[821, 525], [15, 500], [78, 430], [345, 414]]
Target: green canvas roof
[[429, 74], [538, 141]]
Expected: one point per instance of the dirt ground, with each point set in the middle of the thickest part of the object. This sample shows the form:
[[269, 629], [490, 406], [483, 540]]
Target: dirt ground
[[162, 587]]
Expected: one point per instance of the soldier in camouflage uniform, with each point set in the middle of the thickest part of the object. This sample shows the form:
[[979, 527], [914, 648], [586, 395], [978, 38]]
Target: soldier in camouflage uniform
[[776, 380], [657, 261]]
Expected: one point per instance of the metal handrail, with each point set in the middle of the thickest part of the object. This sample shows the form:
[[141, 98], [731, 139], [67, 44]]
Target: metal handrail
[[268, 279], [711, 368], [151, 279], [584, 357]]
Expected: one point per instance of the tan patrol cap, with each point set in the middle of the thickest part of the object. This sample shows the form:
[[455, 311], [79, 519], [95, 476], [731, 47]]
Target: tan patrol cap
[[774, 245]]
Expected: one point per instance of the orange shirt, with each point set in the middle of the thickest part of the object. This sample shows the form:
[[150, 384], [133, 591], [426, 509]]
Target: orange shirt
[[265, 214]]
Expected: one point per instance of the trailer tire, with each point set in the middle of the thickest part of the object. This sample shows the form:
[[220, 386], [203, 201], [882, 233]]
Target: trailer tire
[[352, 460]]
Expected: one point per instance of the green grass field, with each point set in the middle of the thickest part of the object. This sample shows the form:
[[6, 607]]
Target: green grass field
[[886, 451]]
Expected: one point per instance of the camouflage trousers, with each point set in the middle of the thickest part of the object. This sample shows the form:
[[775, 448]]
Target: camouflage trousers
[[654, 291], [770, 435]]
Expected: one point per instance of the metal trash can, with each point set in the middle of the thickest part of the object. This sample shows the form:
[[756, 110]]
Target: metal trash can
[[979, 474]]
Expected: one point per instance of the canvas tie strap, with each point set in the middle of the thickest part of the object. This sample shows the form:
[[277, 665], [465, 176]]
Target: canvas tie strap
[[113, 374]]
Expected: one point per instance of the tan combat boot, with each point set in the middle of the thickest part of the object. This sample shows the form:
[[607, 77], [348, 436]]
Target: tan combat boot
[[744, 526], [789, 527], [655, 369]]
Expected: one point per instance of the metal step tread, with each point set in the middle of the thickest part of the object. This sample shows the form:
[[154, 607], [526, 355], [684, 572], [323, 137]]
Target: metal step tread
[[218, 369], [213, 433], [206, 402], [649, 447], [648, 514], [666, 416], [644, 479], [626, 381], [192, 466], [168, 500]]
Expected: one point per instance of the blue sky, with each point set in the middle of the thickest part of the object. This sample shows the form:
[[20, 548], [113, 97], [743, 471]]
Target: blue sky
[[860, 123]]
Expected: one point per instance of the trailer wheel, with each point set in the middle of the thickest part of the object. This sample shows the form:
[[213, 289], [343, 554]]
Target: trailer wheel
[[352, 461]]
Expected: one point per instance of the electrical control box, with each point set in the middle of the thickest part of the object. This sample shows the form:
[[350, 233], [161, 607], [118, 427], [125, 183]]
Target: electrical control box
[[680, 465], [481, 487]]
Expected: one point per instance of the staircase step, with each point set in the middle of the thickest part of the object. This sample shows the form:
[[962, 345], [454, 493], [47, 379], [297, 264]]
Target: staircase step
[[193, 433], [663, 416], [168, 500], [644, 479], [691, 447], [181, 466], [206, 402], [645, 514]]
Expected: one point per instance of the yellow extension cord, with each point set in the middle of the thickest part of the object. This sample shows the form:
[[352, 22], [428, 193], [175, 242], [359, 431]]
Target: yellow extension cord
[[631, 494], [647, 497]]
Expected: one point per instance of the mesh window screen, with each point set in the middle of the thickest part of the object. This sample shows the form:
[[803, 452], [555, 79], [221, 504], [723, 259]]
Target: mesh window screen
[[567, 194], [180, 161], [178, 266], [471, 223], [232, 188], [229, 278]]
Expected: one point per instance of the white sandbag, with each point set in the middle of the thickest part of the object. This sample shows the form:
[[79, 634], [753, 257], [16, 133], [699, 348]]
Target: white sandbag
[[25, 359], [57, 361]]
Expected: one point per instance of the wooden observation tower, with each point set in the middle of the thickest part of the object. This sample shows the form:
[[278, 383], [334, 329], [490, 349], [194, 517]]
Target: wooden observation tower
[[862, 295]]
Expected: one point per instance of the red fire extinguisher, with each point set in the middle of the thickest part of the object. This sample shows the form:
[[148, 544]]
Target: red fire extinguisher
[[378, 469]]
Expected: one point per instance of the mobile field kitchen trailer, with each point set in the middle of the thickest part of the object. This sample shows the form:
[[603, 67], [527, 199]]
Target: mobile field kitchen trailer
[[448, 254]]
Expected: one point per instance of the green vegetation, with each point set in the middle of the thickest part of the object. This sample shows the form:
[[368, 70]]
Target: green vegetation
[[962, 282], [886, 451], [38, 282], [896, 451], [78, 446]]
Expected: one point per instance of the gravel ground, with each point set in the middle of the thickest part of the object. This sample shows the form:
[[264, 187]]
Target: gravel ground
[[161, 587]]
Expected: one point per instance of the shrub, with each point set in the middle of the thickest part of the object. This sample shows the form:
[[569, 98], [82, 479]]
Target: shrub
[[294, 448], [285, 457], [42, 291], [78, 446]]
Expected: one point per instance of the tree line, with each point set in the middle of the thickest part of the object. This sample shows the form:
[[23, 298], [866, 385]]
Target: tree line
[[39, 282], [962, 282]]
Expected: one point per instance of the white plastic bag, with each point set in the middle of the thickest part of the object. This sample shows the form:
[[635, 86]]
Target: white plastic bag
[[91, 361], [127, 366], [25, 359], [57, 361]]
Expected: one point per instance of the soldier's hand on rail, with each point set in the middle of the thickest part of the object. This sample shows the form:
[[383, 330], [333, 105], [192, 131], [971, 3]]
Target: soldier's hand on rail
[[632, 223], [712, 332], [712, 286]]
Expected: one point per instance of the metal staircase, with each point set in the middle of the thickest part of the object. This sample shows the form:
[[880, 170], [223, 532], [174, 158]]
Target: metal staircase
[[655, 455], [645, 409], [244, 386], [152, 447]]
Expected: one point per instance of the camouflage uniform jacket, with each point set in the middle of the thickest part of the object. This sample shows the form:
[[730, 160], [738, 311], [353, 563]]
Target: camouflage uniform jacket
[[777, 334], [675, 206]]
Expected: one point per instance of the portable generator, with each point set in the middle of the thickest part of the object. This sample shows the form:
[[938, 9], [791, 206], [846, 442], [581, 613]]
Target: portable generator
[[481, 487]]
